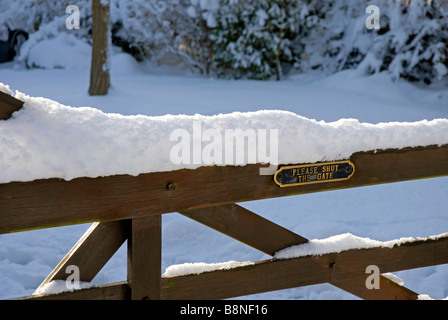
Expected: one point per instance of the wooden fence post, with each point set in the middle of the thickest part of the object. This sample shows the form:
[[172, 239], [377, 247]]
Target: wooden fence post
[[144, 258]]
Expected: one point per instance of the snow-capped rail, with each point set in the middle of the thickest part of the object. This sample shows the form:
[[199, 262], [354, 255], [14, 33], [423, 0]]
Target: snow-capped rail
[[127, 207]]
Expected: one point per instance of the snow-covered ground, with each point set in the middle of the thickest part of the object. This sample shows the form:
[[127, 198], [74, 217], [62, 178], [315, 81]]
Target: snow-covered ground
[[386, 212]]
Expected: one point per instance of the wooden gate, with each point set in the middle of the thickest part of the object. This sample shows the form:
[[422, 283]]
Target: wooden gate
[[124, 207]]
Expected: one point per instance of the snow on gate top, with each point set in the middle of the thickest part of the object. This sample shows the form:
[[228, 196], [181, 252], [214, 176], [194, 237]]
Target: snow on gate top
[[50, 140]]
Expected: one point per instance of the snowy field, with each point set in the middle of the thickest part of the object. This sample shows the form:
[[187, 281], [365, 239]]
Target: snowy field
[[386, 212]]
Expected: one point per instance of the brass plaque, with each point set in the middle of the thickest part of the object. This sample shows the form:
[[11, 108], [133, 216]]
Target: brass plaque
[[290, 176]]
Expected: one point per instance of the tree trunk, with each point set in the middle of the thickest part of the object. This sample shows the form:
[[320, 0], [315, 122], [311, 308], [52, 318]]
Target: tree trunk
[[278, 67], [99, 71]]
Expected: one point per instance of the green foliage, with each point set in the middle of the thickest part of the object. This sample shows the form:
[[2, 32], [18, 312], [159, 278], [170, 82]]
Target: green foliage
[[253, 38]]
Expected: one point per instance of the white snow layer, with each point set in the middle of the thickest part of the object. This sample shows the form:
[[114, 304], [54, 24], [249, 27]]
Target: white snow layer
[[201, 267], [50, 140], [342, 242], [393, 278], [427, 297], [59, 286]]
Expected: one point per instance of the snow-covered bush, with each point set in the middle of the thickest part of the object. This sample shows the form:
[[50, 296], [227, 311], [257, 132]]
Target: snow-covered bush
[[63, 51], [167, 30], [256, 38], [44, 20], [259, 39], [411, 42], [29, 15], [161, 31]]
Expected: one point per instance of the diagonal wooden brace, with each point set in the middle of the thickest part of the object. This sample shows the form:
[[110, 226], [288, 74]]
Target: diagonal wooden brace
[[103, 239], [92, 251]]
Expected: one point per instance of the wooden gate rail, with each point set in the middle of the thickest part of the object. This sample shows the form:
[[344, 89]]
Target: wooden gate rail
[[269, 275], [129, 208], [38, 204]]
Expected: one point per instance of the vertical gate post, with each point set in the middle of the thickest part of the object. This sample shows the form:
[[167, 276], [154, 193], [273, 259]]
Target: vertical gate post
[[144, 258]]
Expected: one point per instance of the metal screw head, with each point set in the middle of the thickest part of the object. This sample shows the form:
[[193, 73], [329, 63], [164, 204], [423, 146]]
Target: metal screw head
[[170, 186]]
